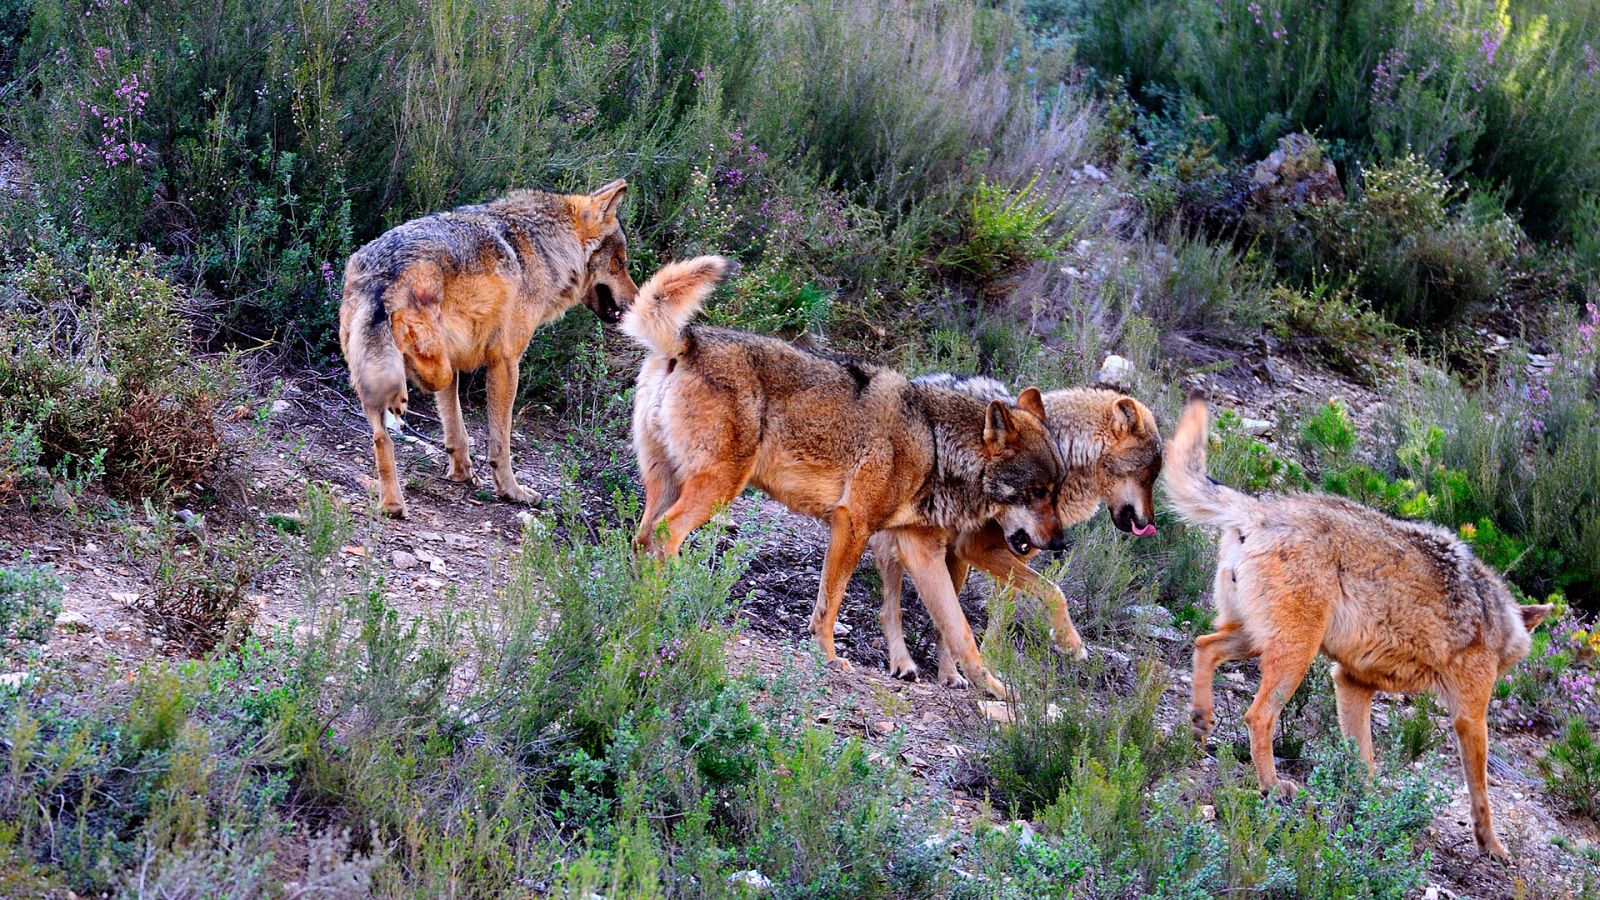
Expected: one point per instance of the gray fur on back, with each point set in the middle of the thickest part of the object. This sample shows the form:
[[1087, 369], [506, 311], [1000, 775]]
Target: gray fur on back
[[980, 386]]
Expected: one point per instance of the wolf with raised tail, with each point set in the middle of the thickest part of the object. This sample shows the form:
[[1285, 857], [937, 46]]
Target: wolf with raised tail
[[1397, 605], [853, 444]]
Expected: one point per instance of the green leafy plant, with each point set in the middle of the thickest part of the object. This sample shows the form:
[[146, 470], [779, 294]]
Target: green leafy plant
[[30, 598], [1005, 229], [1571, 767]]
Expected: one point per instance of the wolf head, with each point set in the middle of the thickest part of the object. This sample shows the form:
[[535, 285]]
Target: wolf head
[[608, 289], [1022, 473], [1127, 470]]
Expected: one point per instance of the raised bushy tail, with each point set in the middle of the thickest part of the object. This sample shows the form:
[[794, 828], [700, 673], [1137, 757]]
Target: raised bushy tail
[[669, 300], [1199, 499]]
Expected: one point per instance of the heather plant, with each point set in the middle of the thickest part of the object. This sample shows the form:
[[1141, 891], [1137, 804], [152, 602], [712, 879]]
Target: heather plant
[[1571, 767]]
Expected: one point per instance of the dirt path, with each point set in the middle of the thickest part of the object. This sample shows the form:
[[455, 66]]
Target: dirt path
[[457, 538]]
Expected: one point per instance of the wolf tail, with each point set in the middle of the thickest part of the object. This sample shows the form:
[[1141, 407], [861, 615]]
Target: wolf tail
[[669, 299], [380, 337], [1199, 499]]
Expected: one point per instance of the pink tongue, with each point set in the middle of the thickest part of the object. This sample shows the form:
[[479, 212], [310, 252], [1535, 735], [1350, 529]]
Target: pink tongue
[[1146, 531]]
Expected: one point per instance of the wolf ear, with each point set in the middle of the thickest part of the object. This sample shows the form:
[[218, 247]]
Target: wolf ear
[[1125, 416], [998, 428], [599, 209], [1032, 402], [1533, 615]]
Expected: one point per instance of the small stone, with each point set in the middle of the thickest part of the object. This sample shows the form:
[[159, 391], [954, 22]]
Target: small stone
[[1116, 372], [1024, 832], [752, 879], [430, 536], [279, 407], [60, 499], [1208, 813], [840, 629], [1255, 427], [884, 727], [72, 620], [403, 560], [1094, 173], [15, 681], [123, 597]]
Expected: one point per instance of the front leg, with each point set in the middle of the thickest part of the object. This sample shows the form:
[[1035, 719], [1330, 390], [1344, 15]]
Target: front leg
[[845, 548], [923, 551], [987, 550], [502, 377], [456, 442]]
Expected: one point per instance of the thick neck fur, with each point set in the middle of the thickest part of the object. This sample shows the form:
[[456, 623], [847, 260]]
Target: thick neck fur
[[953, 496], [1076, 420], [545, 233]]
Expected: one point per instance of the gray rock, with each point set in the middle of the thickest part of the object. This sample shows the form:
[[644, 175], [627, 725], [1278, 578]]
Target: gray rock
[[72, 620], [1255, 427], [1116, 372]]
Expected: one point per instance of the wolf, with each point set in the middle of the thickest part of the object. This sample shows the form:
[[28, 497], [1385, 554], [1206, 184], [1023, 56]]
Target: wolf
[[1397, 606], [462, 290], [1111, 447], [854, 444]]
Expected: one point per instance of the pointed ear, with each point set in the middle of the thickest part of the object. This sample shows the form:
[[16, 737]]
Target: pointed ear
[[1032, 402], [998, 429], [1125, 416], [598, 210], [1533, 615]]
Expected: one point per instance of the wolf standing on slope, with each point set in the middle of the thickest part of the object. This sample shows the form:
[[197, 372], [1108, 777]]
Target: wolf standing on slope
[[1111, 447], [853, 444], [1398, 606], [466, 289]]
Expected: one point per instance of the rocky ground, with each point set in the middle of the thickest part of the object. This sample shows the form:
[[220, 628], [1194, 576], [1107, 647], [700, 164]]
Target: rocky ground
[[454, 546]]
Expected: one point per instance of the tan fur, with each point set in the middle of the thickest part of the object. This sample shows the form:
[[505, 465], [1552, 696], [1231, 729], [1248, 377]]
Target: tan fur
[[853, 444], [1398, 606], [1112, 450], [465, 290]]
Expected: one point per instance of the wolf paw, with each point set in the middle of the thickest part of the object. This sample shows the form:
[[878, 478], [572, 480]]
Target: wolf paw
[[903, 669], [840, 664], [954, 680], [516, 493], [1283, 789], [1200, 720], [394, 510], [1074, 651], [461, 475]]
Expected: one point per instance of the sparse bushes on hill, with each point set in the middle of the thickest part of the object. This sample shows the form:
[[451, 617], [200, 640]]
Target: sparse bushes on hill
[[30, 597]]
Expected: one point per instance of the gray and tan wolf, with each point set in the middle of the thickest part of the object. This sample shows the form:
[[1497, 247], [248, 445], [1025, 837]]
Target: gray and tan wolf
[[462, 290], [853, 444], [1111, 447], [1398, 606]]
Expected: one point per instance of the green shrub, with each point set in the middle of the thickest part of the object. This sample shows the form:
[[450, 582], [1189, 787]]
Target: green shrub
[[1003, 231], [199, 583], [1407, 243], [1571, 768], [1336, 326], [97, 371], [30, 598]]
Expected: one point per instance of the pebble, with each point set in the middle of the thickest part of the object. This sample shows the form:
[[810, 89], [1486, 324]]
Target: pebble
[[403, 560], [72, 620]]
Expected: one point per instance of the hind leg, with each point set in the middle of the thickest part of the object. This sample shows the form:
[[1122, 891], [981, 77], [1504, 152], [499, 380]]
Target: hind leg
[[893, 572], [456, 442], [949, 672], [660, 485], [1227, 643], [698, 497], [1354, 700], [502, 378], [390, 499], [1283, 666]]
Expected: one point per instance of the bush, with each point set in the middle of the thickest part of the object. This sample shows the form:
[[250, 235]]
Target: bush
[[1003, 231], [1508, 96], [30, 598], [199, 584], [1408, 245], [97, 376], [1571, 768]]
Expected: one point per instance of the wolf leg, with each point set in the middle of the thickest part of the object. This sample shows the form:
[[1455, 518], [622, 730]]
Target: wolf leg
[[390, 498], [698, 498], [949, 672], [887, 557], [924, 556], [456, 442], [997, 559], [1227, 643], [660, 489], [846, 545], [502, 378], [1283, 665], [1354, 700], [1472, 740]]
